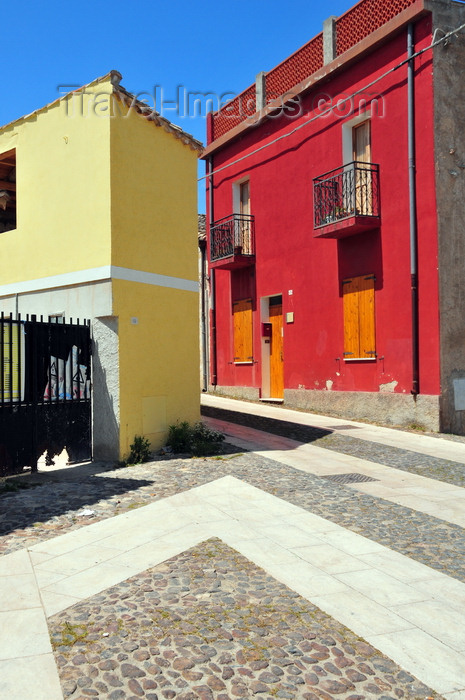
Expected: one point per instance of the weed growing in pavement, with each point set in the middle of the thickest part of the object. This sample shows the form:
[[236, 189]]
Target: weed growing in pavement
[[198, 439], [225, 459], [416, 426], [140, 452], [12, 485], [70, 635], [135, 504]]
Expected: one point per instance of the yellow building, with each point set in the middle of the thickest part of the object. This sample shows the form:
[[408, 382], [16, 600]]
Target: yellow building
[[98, 219]]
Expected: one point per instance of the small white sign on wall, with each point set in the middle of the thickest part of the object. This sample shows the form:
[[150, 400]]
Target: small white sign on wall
[[459, 394]]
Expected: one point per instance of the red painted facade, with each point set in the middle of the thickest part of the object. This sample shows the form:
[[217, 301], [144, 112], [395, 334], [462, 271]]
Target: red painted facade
[[292, 259]]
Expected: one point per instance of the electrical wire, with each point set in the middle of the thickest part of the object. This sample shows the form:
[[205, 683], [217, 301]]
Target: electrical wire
[[346, 99]]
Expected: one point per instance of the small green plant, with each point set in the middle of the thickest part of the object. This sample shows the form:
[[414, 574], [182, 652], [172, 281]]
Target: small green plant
[[179, 437], [69, 635], [417, 426], [198, 439], [11, 486], [140, 451], [204, 440]]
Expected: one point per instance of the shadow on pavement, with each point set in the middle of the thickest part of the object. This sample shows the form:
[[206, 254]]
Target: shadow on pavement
[[66, 490], [293, 431]]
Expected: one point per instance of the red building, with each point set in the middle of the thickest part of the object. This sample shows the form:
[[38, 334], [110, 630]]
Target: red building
[[336, 222]]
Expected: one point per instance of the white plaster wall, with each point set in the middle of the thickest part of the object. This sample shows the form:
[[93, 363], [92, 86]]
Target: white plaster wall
[[76, 301], [105, 382]]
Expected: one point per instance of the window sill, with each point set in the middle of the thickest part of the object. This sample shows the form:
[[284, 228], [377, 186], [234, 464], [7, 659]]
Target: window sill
[[360, 359], [248, 362]]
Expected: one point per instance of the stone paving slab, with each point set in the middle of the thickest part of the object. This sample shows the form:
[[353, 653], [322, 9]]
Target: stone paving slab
[[30, 677]]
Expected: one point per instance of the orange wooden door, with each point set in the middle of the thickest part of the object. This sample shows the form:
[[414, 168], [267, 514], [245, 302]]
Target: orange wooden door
[[276, 352]]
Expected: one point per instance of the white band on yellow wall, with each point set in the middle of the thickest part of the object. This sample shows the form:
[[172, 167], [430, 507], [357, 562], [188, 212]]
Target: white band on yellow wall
[[98, 274], [125, 273]]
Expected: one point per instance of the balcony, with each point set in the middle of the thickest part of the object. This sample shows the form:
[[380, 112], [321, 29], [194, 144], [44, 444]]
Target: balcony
[[346, 201], [232, 242]]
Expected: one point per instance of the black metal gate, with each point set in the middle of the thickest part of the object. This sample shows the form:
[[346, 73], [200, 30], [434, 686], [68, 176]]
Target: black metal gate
[[45, 391]]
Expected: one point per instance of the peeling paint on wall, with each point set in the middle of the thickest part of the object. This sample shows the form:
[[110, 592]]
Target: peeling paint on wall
[[329, 384], [389, 387]]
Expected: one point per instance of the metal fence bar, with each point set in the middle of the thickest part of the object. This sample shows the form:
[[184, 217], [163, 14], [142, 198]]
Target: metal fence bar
[[2, 353], [18, 373], [37, 412], [18, 342], [10, 361]]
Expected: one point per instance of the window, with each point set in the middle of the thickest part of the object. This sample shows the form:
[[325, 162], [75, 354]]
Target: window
[[241, 204], [361, 144], [242, 313], [359, 317], [7, 191], [244, 201]]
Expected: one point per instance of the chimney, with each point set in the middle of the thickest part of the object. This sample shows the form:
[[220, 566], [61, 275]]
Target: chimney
[[329, 39]]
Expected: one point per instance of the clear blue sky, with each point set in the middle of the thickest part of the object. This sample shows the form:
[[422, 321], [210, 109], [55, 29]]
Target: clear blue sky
[[205, 47]]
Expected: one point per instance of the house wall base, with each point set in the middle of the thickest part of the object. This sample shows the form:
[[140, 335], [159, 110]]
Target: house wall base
[[246, 393], [385, 408]]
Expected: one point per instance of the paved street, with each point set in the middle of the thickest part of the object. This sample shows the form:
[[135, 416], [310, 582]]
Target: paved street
[[318, 558]]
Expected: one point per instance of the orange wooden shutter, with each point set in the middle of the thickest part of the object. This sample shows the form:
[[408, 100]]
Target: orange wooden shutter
[[242, 312], [359, 317], [366, 310], [351, 325]]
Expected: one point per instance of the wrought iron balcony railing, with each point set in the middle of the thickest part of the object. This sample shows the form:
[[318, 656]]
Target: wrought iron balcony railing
[[349, 191], [232, 236]]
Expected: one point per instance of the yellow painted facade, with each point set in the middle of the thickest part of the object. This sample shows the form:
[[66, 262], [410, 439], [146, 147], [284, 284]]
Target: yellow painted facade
[[158, 360], [100, 185], [154, 223], [63, 190]]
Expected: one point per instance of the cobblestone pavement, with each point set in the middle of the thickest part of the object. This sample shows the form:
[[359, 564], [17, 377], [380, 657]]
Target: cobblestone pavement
[[407, 460], [209, 624], [53, 508]]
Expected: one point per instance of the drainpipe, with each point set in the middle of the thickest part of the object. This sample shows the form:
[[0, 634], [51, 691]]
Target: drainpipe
[[214, 378], [203, 320], [413, 212]]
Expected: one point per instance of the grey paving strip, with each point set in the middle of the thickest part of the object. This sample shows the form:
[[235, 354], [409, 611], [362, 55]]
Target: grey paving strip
[[51, 509], [406, 460], [209, 624]]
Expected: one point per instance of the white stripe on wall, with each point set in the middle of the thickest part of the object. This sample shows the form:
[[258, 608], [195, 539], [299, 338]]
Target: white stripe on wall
[[98, 274], [125, 273]]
